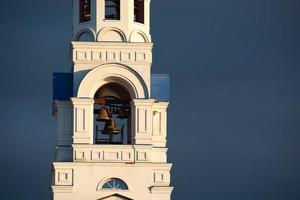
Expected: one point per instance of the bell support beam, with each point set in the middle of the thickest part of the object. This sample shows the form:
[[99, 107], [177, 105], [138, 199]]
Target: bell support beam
[[83, 120]]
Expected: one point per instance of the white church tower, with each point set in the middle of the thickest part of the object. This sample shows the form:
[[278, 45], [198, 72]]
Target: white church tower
[[111, 111]]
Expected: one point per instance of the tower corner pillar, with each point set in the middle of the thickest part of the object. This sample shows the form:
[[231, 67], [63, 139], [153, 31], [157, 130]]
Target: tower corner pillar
[[83, 114], [141, 111]]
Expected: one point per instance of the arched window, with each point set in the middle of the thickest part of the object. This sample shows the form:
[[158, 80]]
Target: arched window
[[112, 9], [85, 10], [139, 11], [114, 184], [112, 115]]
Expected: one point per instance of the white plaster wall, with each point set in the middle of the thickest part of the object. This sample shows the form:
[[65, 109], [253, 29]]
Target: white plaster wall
[[83, 180], [136, 58], [119, 153]]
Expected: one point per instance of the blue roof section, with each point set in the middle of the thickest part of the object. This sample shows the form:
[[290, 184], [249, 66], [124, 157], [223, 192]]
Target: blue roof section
[[62, 86], [160, 87]]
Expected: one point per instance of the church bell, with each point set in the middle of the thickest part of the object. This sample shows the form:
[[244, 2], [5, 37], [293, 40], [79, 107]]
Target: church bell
[[103, 115], [110, 127], [122, 113]]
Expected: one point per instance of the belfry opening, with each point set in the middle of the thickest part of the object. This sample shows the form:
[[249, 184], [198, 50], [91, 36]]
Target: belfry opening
[[112, 115]]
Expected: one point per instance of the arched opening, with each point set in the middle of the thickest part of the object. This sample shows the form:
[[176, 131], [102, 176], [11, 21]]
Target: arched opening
[[139, 11], [112, 115], [112, 9], [85, 36], [117, 73], [84, 10]]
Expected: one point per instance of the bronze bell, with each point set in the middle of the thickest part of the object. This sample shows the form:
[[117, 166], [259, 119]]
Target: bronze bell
[[122, 113], [103, 115], [110, 127]]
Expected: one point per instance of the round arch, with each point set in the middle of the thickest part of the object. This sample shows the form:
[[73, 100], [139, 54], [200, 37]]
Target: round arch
[[85, 31], [113, 73], [138, 36], [111, 34]]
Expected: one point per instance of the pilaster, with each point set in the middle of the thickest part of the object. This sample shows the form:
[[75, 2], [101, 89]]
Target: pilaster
[[141, 111], [83, 120], [149, 122], [159, 134]]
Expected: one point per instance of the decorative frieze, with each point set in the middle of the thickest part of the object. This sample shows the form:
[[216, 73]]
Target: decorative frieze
[[121, 154], [101, 53]]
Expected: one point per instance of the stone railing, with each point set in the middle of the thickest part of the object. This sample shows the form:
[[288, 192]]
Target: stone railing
[[119, 153]]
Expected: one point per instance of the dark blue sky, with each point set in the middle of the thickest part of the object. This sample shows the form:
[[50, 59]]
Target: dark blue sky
[[234, 119]]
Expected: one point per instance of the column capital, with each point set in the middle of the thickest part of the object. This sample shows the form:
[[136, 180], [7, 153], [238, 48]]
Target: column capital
[[83, 101], [142, 102]]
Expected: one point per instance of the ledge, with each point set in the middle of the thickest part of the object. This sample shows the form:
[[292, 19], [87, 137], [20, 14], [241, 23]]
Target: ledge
[[161, 190], [120, 45], [62, 189], [68, 165]]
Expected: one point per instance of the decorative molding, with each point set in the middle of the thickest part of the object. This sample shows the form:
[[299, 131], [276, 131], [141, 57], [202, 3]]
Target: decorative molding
[[62, 189], [63, 177], [161, 190], [161, 177], [113, 72], [106, 52], [68, 165], [119, 154]]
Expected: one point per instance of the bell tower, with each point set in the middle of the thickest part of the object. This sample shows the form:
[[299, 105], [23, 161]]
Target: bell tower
[[111, 111]]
